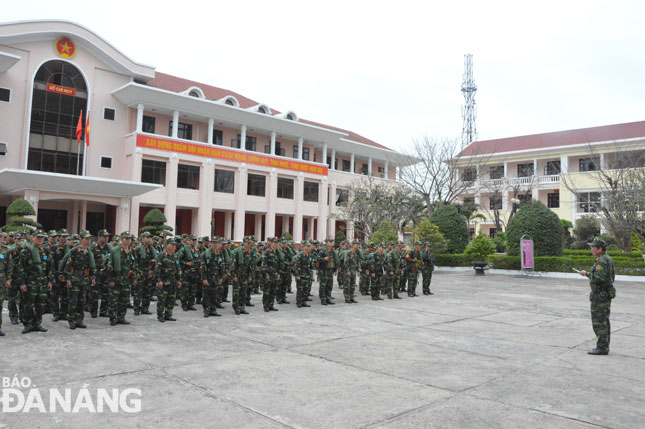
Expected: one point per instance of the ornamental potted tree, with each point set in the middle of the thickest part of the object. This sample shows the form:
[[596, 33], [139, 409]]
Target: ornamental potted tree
[[478, 251]]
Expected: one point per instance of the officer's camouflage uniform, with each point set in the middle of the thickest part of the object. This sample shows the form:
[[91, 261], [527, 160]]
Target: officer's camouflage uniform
[[285, 273], [377, 268], [412, 265], [427, 267], [303, 266], [257, 274], [6, 274], [392, 270], [601, 279], [100, 288], [35, 274], [328, 263], [189, 262], [352, 267], [168, 272], [119, 294], [80, 269], [59, 293], [15, 304], [146, 257], [365, 277], [271, 271], [244, 263]]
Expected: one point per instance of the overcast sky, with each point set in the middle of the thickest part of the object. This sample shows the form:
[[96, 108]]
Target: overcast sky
[[391, 71]]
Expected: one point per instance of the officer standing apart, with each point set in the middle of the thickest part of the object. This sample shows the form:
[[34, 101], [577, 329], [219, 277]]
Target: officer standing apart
[[601, 279]]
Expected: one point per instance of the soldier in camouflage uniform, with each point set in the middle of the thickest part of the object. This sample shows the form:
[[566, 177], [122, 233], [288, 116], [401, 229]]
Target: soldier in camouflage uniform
[[168, 275], [244, 264], [271, 271], [366, 262], [35, 277], [223, 291], [287, 254], [121, 267], [601, 280], [427, 267], [188, 256], [392, 272], [412, 266], [100, 250], [258, 273], [341, 276], [146, 256], [352, 267], [377, 269], [303, 271], [213, 273], [80, 272], [16, 308], [328, 263], [6, 274], [59, 293]]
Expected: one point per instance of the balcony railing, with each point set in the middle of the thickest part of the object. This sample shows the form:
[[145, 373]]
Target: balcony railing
[[554, 178], [514, 181]]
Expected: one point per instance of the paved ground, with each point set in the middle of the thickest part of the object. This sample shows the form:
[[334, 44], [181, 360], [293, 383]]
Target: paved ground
[[497, 351]]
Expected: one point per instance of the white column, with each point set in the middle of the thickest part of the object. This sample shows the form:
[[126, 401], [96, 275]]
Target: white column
[[324, 154], [139, 118], [122, 216], [205, 209], [564, 164], [137, 160], [323, 209], [369, 166], [240, 202], [351, 164], [505, 169], [535, 168], [76, 205], [285, 223], [387, 169], [242, 141], [349, 233], [257, 231], [602, 165], [171, 191], [228, 224], [175, 123], [297, 219], [83, 219], [211, 122], [310, 228], [273, 134], [269, 227], [333, 159], [300, 140]]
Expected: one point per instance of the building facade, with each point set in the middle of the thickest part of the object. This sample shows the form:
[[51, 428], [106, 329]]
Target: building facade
[[214, 161], [560, 169]]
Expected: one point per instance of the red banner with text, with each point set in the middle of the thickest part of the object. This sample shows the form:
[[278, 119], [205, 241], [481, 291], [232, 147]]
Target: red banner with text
[[220, 152]]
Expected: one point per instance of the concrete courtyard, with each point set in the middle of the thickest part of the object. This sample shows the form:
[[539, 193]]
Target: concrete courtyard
[[493, 351]]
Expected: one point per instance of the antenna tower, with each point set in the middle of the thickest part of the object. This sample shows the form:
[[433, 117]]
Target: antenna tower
[[468, 110]]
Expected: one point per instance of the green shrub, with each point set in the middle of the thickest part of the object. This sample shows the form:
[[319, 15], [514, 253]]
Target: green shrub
[[479, 249], [567, 239], [453, 227], [426, 232], [541, 224], [384, 234], [453, 260], [286, 236], [155, 221], [339, 238], [18, 222], [500, 242], [587, 228]]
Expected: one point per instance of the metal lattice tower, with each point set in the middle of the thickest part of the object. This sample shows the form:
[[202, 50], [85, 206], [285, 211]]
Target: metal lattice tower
[[468, 111]]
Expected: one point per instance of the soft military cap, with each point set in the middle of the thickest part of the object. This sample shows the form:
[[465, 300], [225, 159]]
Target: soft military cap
[[126, 234], [598, 242], [63, 233], [85, 234], [40, 233], [103, 233]]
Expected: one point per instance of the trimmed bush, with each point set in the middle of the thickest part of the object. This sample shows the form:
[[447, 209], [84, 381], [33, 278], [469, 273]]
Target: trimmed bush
[[155, 220], [500, 242], [18, 222], [426, 232], [453, 227], [541, 224], [587, 227], [480, 248], [384, 234]]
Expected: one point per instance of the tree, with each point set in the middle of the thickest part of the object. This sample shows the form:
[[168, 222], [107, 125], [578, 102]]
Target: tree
[[426, 232], [18, 220], [155, 221], [470, 212], [453, 227], [587, 227], [385, 234], [519, 189], [567, 240], [432, 173], [372, 201], [540, 224], [480, 248]]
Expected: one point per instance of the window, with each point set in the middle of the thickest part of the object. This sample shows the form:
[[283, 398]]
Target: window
[[267, 149], [285, 188], [218, 137], [552, 168], [5, 95], [364, 169], [188, 176], [381, 169], [256, 185], [495, 202], [3, 149], [295, 151], [184, 131], [342, 196], [251, 142], [525, 170], [108, 113], [469, 200], [346, 165], [525, 198], [588, 202], [496, 172], [224, 181], [153, 172], [106, 162], [492, 232], [469, 175], [553, 200], [310, 191], [148, 124], [589, 164], [194, 93], [305, 153], [279, 150]]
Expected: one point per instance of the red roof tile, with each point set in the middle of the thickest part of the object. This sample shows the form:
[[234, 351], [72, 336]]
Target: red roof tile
[[558, 138], [178, 84]]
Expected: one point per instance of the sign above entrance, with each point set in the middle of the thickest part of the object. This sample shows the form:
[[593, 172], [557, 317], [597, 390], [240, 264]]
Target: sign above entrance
[[61, 89], [220, 152], [65, 48]]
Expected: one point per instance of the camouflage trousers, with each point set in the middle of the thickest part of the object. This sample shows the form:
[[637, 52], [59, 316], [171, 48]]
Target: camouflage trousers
[[143, 291], [427, 279], [240, 294], [14, 303], [189, 286], [302, 286], [75, 311], [403, 278], [268, 292], [325, 284], [364, 283], [93, 294], [208, 296], [600, 309], [166, 296], [33, 301], [59, 298], [283, 286], [119, 298], [377, 283], [350, 286], [1, 303], [392, 285], [341, 278], [412, 277]]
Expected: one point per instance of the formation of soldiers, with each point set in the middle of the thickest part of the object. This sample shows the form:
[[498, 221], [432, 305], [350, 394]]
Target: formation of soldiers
[[67, 276]]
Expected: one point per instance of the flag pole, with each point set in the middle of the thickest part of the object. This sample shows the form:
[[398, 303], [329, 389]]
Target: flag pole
[[78, 151]]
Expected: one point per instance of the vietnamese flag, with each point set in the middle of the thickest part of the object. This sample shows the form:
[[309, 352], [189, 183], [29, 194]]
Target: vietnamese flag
[[79, 127], [87, 130]]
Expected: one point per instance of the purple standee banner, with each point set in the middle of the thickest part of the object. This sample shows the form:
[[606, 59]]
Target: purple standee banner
[[526, 248]]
